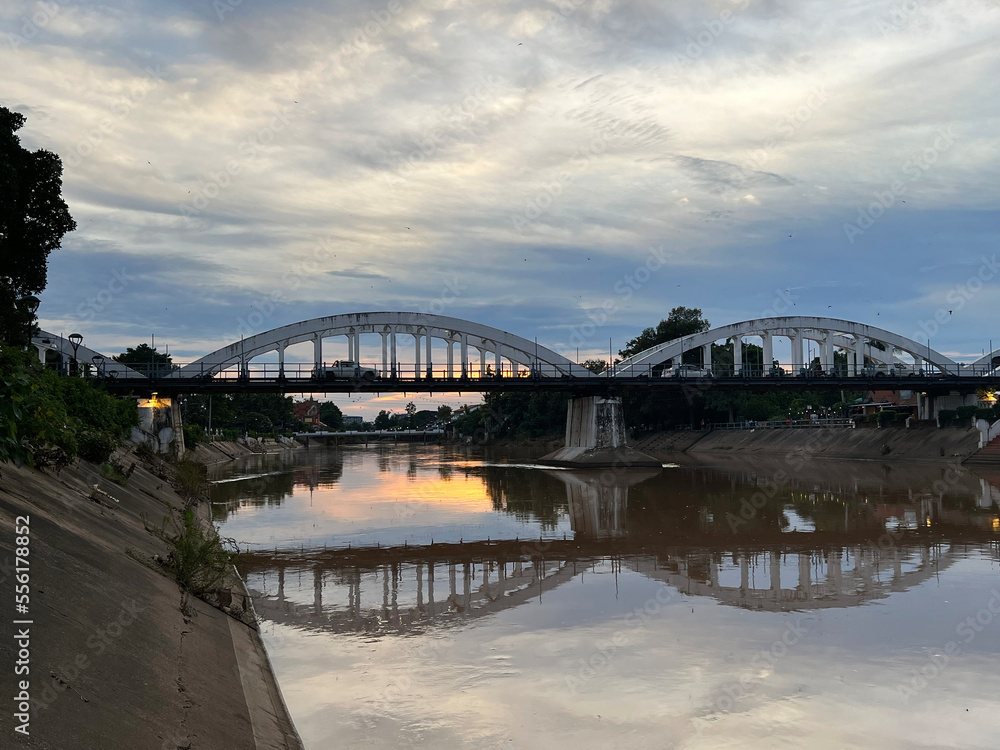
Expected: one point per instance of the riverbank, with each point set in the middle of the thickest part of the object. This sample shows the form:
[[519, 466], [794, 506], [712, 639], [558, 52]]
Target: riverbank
[[886, 444], [120, 656], [220, 451]]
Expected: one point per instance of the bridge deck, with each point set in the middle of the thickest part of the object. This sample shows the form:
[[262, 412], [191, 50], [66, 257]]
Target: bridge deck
[[166, 386]]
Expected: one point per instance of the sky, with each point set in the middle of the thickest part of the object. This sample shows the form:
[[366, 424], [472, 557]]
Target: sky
[[534, 166]]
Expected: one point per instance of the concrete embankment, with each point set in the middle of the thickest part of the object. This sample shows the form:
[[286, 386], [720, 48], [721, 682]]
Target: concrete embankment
[[120, 656], [220, 451], [862, 443]]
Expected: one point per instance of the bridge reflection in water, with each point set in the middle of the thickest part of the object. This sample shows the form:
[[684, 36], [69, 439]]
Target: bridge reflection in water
[[829, 544]]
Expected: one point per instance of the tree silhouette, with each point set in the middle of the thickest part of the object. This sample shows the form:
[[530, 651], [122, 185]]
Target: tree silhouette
[[33, 220]]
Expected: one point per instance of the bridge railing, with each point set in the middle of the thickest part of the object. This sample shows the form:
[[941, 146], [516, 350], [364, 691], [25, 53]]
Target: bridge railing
[[787, 424], [306, 372]]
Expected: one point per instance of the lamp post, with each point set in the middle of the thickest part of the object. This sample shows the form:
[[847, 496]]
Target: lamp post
[[98, 361], [74, 339]]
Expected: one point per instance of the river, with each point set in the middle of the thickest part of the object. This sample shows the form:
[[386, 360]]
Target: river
[[413, 596]]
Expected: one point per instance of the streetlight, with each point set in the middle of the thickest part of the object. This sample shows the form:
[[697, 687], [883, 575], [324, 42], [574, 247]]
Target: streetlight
[[75, 339], [98, 360]]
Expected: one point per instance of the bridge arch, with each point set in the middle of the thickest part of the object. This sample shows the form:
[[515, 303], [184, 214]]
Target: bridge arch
[[829, 333], [492, 344], [103, 365], [989, 361]]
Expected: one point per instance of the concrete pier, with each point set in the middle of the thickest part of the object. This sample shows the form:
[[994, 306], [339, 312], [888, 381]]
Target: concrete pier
[[595, 437]]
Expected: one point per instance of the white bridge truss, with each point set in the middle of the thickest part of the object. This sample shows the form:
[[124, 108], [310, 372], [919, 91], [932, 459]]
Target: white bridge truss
[[829, 335], [476, 350], [460, 336]]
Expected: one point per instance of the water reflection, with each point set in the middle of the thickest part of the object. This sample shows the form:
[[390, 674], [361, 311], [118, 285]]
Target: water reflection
[[736, 536], [415, 597]]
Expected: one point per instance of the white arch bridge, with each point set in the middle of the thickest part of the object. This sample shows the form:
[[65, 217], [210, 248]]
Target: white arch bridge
[[408, 351]]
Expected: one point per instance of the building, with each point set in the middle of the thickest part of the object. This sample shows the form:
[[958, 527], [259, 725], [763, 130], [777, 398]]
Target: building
[[307, 412], [353, 420]]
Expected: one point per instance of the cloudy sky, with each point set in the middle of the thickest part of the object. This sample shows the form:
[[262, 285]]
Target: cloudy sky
[[304, 159]]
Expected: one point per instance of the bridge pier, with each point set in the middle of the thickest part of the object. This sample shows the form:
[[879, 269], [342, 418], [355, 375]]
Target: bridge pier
[[595, 437], [160, 426]]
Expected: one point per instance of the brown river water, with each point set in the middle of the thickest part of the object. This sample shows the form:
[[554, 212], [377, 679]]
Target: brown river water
[[412, 596]]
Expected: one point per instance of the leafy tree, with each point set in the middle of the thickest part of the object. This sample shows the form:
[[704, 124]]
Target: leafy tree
[[444, 413], [596, 365], [331, 415], [33, 220], [411, 414], [145, 359], [682, 321], [278, 410], [384, 420]]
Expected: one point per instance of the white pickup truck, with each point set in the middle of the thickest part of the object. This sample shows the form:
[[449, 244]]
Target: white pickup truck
[[344, 369]]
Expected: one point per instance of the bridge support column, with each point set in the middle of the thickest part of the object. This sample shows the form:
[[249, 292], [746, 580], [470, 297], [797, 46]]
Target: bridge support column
[[499, 364], [827, 359], [451, 358], [430, 364], [465, 355], [416, 355], [768, 342], [595, 437], [737, 355], [350, 348], [385, 353], [706, 356], [392, 350], [318, 351], [160, 426]]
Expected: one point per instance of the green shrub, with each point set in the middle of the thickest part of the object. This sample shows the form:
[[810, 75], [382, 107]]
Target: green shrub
[[965, 413], [193, 435], [887, 417], [198, 558], [191, 479], [946, 417], [990, 415], [95, 447], [47, 419], [108, 471]]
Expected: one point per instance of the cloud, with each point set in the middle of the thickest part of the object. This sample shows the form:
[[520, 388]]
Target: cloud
[[503, 134]]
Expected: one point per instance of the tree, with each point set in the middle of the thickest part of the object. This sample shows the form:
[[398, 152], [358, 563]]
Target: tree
[[444, 413], [384, 420], [595, 365], [331, 415], [145, 359], [411, 415], [682, 321], [33, 220]]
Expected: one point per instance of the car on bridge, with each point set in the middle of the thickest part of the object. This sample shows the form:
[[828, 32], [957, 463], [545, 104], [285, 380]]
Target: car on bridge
[[344, 369], [686, 371]]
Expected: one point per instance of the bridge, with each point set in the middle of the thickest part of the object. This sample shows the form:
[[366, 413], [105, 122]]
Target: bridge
[[479, 358]]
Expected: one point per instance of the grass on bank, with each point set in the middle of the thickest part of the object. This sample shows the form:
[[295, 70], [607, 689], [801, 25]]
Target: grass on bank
[[199, 559]]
